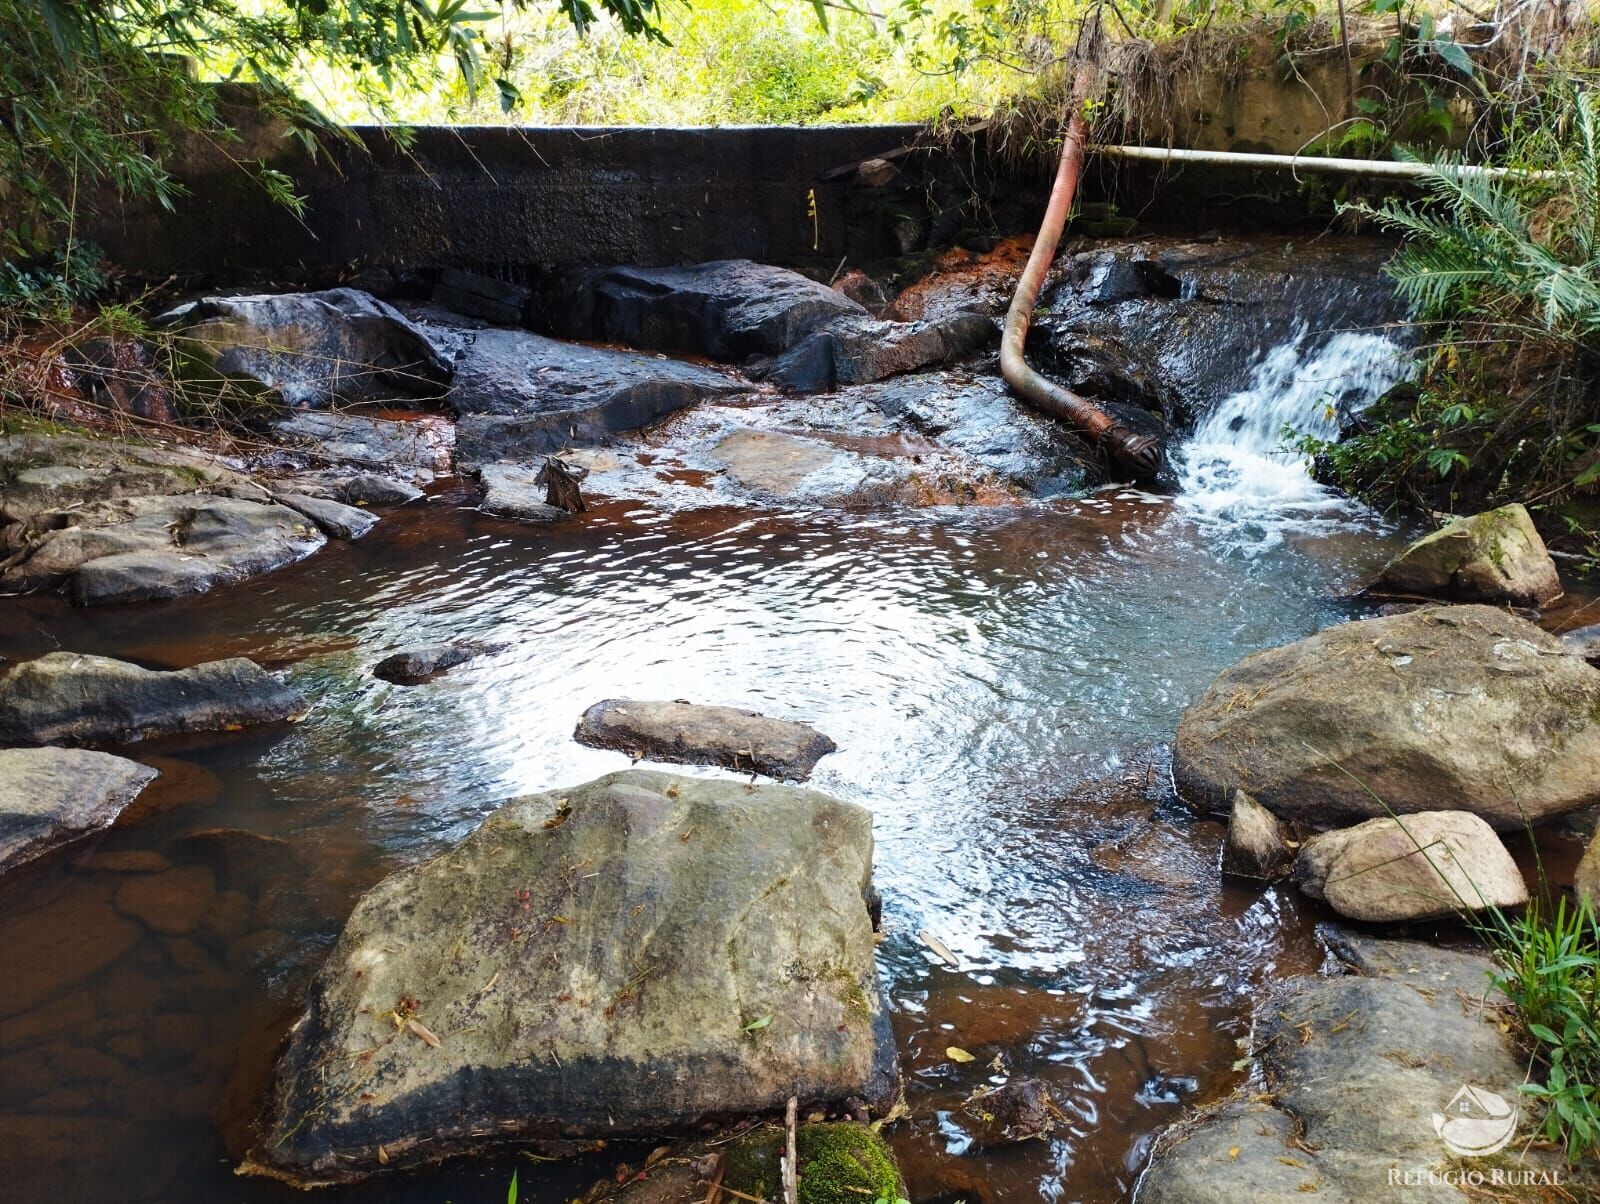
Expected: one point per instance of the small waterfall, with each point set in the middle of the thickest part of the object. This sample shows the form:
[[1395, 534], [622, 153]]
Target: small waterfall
[[1238, 473]]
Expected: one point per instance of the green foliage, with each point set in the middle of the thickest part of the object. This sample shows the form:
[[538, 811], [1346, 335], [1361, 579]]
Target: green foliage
[[48, 286], [1551, 973], [1505, 273], [96, 97]]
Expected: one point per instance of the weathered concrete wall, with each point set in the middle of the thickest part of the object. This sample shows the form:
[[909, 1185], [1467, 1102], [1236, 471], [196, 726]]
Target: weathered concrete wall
[[514, 201]]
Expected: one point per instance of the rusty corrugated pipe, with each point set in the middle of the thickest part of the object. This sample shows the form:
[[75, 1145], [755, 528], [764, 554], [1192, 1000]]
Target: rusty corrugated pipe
[[1137, 454]]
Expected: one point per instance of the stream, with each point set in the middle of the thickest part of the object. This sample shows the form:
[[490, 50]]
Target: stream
[[1003, 685]]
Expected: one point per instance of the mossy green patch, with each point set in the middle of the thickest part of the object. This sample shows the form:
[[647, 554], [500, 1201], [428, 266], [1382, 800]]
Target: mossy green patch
[[840, 1163]]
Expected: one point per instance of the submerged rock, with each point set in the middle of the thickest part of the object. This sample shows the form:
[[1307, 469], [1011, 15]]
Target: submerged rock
[[520, 395], [420, 662], [1361, 1071], [309, 349], [51, 796], [1419, 867], [631, 956], [691, 734], [1464, 705], [73, 698], [1022, 1110], [1256, 847], [1492, 557]]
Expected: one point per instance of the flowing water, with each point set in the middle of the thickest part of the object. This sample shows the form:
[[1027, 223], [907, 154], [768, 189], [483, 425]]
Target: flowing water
[[1003, 685]]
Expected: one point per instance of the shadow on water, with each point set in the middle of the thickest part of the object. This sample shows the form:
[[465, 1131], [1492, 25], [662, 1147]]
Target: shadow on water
[[1002, 686]]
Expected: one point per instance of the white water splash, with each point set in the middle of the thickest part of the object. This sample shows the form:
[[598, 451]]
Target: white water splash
[[1239, 472]]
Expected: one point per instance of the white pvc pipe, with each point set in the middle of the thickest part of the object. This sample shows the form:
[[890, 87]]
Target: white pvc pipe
[[1309, 163]]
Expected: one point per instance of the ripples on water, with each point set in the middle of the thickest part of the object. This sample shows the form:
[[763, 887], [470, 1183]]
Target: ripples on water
[[1001, 685]]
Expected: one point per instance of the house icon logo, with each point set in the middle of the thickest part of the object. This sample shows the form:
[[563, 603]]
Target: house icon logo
[[1476, 1123]]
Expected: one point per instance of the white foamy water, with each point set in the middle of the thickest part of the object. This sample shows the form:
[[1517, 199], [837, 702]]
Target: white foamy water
[[1239, 472]]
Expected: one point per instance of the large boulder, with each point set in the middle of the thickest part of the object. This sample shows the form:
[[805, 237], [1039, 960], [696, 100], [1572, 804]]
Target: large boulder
[[138, 549], [729, 309], [50, 796], [74, 698], [1417, 867], [692, 734], [1496, 556], [520, 395], [1361, 1076], [309, 349], [631, 956], [1465, 707]]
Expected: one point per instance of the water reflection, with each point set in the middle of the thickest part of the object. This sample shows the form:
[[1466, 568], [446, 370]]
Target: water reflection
[[1001, 685]]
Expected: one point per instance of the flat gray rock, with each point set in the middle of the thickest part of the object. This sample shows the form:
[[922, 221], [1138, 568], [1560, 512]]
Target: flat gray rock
[[334, 519], [521, 395], [73, 698], [514, 491], [633, 956], [416, 449], [690, 734], [51, 796]]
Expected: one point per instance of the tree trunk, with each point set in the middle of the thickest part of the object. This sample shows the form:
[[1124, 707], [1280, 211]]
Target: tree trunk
[[1137, 454]]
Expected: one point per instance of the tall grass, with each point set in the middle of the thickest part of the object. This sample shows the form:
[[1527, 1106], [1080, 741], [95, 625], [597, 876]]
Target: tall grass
[[1550, 970]]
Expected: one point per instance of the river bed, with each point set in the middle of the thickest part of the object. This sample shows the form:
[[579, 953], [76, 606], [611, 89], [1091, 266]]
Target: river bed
[[1002, 684]]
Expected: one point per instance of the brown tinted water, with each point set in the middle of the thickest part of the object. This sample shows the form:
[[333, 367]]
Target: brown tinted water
[[1002, 684]]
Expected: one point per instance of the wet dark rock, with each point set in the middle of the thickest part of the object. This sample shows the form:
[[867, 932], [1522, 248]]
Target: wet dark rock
[[691, 734], [729, 309], [334, 519], [1426, 865], [1496, 556], [1256, 848], [52, 796], [1358, 1069], [1021, 1110], [416, 449], [521, 395], [1460, 703], [1198, 315], [370, 489], [859, 350], [171, 903], [516, 492], [420, 662], [480, 296], [73, 698], [309, 350], [863, 290], [552, 1004], [1584, 642]]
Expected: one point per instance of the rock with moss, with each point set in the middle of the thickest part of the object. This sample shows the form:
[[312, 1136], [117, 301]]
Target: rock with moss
[[639, 955], [1460, 706], [839, 1162], [1496, 556]]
